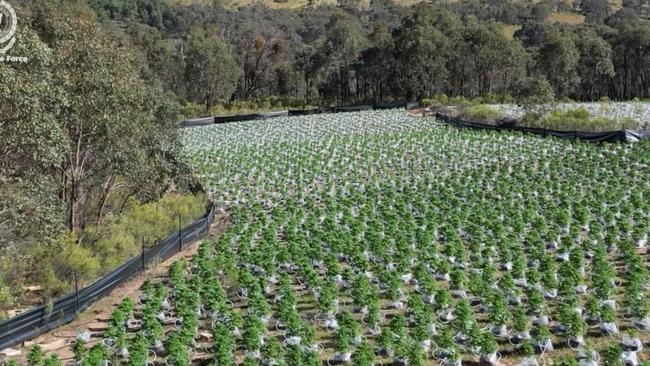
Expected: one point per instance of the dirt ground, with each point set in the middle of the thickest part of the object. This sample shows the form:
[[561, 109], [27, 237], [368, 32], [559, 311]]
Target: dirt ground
[[94, 318]]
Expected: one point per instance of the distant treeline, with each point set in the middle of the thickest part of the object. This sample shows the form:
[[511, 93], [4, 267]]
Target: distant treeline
[[209, 53]]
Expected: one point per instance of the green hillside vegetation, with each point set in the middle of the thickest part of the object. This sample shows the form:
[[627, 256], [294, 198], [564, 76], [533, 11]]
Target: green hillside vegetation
[[87, 136], [372, 52]]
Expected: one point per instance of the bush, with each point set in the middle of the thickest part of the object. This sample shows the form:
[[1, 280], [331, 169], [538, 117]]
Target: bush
[[99, 250], [463, 102], [483, 113], [577, 119], [272, 103], [191, 110], [122, 237], [534, 91], [60, 260]]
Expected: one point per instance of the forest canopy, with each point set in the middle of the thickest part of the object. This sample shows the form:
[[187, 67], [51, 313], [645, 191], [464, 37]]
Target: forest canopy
[[357, 52]]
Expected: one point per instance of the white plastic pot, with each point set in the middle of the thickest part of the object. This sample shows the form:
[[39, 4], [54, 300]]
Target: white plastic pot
[[550, 293], [609, 328], [529, 361], [518, 337], [491, 359], [84, 336], [642, 324], [631, 344], [545, 346], [459, 294], [252, 354], [446, 316], [541, 320], [576, 342], [500, 330], [343, 357], [581, 289], [425, 345], [448, 362], [630, 358]]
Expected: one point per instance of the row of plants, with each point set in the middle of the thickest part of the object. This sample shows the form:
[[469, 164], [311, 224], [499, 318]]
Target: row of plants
[[423, 211], [376, 237]]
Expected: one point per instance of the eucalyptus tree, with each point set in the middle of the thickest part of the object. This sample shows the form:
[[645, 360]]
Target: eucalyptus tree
[[211, 70]]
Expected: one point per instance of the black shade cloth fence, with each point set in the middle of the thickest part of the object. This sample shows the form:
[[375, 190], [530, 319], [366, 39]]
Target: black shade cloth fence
[[607, 136], [197, 122], [44, 318]]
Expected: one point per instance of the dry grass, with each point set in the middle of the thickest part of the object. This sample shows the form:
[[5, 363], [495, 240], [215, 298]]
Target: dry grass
[[509, 31], [566, 18]]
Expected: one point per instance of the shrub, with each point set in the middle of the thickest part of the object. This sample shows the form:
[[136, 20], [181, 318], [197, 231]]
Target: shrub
[[490, 98], [272, 103], [534, 91], [482, 113], [531, 119], [191, 110], [578, 119], [443, 99], [60, 260], [100, 250], [462, 102], [122, 237]]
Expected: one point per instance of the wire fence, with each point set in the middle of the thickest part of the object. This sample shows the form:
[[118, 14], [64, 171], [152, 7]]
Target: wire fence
[[44, 318]]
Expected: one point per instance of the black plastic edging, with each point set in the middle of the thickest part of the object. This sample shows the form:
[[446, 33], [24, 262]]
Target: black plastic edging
[[595, 137]]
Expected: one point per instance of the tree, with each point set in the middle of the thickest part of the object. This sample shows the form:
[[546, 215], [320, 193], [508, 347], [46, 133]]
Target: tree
[[487, 62], [344, 40], [595, 67], [533, 34], [630, 53], [263, 57], [541, 11], [111, 116], [211, 70], [31, 141], [558, 61], [595, 11], [423, 49], [377, 63]]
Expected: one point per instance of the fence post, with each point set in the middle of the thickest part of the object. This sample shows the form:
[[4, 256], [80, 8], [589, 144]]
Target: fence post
[[76, 292], [180, 234]]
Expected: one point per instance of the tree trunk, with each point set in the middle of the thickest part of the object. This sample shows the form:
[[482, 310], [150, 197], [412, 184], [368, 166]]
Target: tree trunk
[[108, 189], [73, 199]]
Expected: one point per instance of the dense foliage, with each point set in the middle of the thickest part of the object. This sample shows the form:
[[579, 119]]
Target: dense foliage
[[84, 133], [381, 51]]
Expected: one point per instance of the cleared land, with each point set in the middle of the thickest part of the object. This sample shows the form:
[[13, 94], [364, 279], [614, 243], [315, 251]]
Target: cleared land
[[391, 239]]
